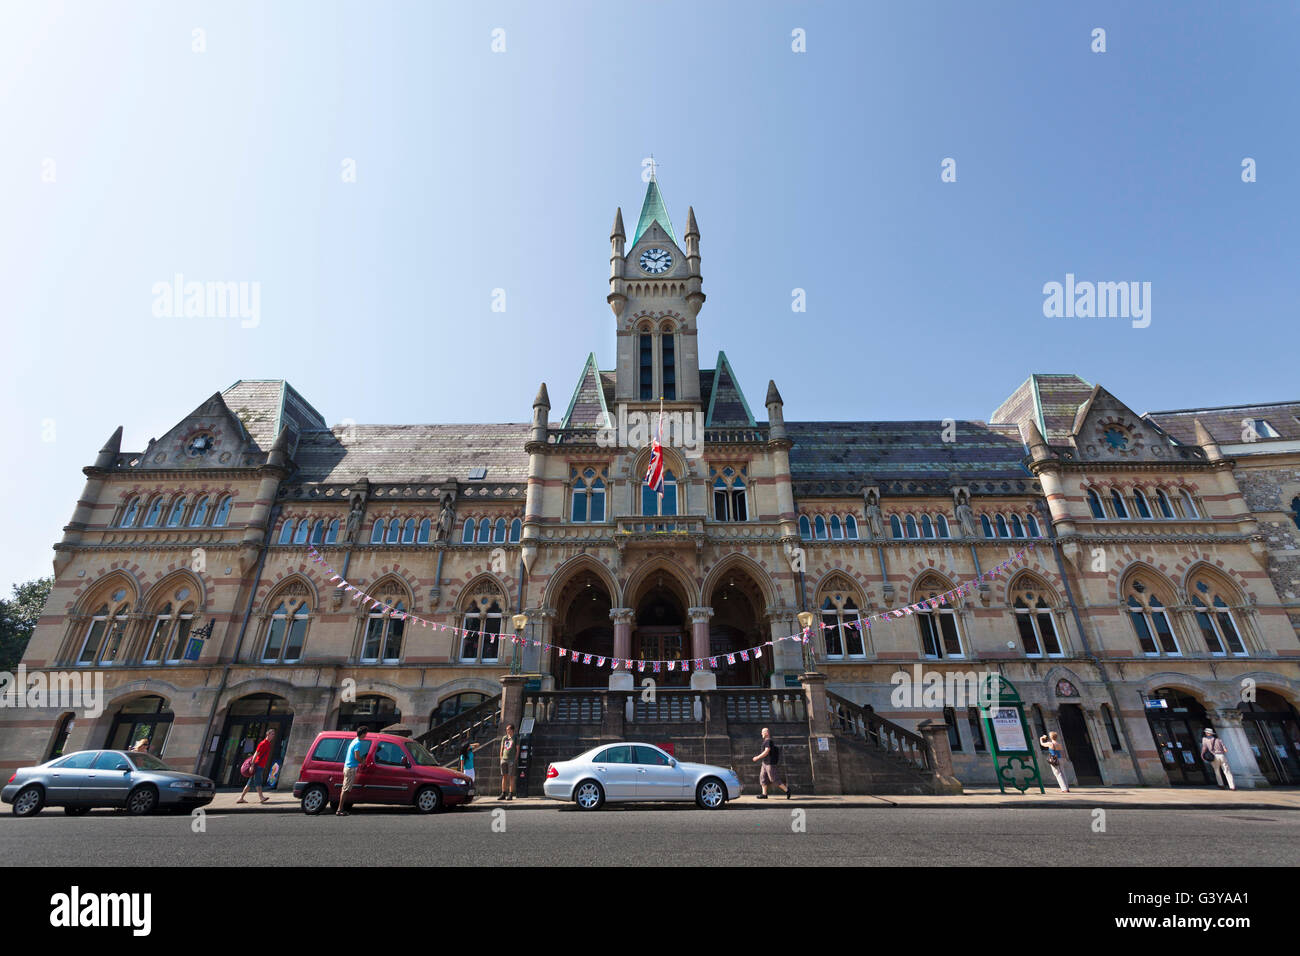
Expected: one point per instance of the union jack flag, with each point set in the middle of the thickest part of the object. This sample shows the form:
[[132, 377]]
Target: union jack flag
[[600, 662], [654, 473], [713, 662], [586, 658], [744, 655], [731, 658], [656, 667]]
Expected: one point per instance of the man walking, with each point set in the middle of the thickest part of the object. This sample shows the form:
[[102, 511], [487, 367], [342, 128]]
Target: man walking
[[1214, 753], [770, 772], [351, 763]]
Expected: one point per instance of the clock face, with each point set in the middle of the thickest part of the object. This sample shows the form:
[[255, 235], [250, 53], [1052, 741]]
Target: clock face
[[655, 261]]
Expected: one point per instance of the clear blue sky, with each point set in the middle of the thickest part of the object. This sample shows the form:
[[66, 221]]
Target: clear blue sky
[[479, 170]]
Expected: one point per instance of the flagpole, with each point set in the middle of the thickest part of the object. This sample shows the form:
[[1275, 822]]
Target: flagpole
[[661, 444]]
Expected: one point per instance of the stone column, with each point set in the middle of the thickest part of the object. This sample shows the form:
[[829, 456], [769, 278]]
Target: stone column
[[1241, 758], [825, 763], [787, 656], [538, 628], [936, 735], [705, 679], [512, 700], [622, 617]]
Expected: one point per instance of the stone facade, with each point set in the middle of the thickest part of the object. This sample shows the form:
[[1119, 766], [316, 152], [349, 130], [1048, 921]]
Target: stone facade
[[1135, 518]]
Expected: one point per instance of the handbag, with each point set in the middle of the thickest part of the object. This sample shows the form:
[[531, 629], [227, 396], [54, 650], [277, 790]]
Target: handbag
[[246, 768], [1053, 760]]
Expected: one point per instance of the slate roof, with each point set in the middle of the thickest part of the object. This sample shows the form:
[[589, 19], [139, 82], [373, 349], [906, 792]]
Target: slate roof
[[726, 402], [587, 407], [267, 405], [1050, 400], [413, 453], [884, 450], [1225, 423]]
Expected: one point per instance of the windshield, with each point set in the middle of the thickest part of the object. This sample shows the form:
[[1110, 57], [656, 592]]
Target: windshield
[[420, 755], [146, 761]]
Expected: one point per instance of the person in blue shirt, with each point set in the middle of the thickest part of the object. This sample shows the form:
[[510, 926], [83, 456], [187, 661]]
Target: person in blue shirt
[[351, 761], [466, 763]]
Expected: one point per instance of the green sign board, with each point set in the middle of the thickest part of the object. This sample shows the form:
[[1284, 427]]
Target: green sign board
[[1015, 758]]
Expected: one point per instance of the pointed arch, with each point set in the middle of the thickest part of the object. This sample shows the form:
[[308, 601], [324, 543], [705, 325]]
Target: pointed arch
[[165, 588], [636, 584], [566, 571], [103, 588], [295, 583], [748, 566]]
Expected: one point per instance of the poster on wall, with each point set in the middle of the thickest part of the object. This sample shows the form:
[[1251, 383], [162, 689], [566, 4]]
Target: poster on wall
[[1008, 732]]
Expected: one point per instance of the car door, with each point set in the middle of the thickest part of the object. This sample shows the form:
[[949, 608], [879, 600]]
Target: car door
[[657, 778], [389, 779], [111, 779], [70, 779], [617, 772]]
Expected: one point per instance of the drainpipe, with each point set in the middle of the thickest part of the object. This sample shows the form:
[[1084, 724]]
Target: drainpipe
[[1083, 636], [239, 643]]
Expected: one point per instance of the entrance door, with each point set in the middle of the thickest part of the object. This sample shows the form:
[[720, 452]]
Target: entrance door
[[1078, 744], [661, 644], [247, 722]]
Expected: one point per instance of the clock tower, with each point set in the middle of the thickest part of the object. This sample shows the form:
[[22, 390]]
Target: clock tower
[[654, 290]]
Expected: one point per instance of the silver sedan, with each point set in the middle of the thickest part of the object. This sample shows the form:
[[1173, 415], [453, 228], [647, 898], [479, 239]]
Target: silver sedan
[[78, 782], [635, 772]]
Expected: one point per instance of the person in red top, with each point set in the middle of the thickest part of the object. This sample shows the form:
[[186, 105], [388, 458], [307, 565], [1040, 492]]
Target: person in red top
[[261, 760]]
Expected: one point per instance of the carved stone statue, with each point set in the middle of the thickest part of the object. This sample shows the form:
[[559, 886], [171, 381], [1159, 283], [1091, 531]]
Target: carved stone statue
[[965, 516], [354, 520], [446, 517], [875, 521]]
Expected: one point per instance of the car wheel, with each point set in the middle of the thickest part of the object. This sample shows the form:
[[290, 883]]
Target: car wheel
[[142, 801], [76, 811], [588, 795], [314, 800], [428, 800], [29, 802], [711, 794]]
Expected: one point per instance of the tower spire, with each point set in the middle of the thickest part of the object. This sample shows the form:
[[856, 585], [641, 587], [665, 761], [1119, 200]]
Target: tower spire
[[653, 210]]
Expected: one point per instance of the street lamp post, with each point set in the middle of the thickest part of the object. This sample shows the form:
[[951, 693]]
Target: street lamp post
[[806, 621], [520, 621]]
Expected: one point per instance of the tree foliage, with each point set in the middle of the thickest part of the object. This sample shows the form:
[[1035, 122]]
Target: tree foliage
[[18, 616]]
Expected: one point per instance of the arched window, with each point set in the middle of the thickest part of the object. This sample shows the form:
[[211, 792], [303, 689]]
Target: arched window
[[177, 513], [332, 535], [408, 531], [129, 515], [819, 528], [837, 530], [976, 730], [895, 527], [105, 633], [589, 497], [910, 523], [1033, 526], [579, 510], [1214, 618], [223, 512], [1189, 505], [168, 636], [155, 513], [1140, 504], [805, 529], [286, 532], [1094, 504], [422, 536], [304, 529], [383, 641], [482, 635], [650, 503], [1150, 622], [318, 531], [597, 495], [729, 502], [940, 636], [1112, 733], [377, 531], [927, 527], [851, 528], [467, 536], [516, 529], [670, 368], [1002, 527], [454, 706], [484, 530], [843, 622], [647, 362], [286, 632], [1034, 620], [394, 531], [200, 512], [986, 526], [1162, 501], [954, 735], [942, 522], [1117, 502], [1017, 528], [499, 531]]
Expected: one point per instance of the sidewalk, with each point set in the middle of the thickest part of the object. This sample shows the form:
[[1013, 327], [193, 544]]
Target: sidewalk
[[1136, 798]]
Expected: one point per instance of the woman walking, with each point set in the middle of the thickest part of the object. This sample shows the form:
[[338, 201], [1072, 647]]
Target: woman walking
[[261, 760], [1052, 744]]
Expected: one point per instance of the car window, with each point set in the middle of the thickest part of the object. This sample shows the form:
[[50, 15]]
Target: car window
[[147, 761], [108, 760], [420, 755], [651, 757], [330, 750], [615, 755], [389, 753], [81, 761]]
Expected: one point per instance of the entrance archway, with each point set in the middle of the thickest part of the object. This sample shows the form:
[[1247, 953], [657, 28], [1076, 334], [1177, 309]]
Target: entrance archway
[[736, 625], [1177, 720], [1273, 730], [582, 625], [660, 631], [372, 711], [147, 718], [247, 721]]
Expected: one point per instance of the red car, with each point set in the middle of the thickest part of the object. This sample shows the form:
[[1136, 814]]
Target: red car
[[395, 770]]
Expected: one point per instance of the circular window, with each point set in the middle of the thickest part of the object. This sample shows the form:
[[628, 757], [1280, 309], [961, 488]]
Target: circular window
[[119, 594], [182, 594]]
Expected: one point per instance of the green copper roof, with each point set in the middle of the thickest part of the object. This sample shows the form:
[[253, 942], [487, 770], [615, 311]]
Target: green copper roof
[[653, 208]]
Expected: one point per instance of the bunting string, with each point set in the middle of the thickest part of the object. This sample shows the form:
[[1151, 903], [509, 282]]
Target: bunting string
[[686, 665]]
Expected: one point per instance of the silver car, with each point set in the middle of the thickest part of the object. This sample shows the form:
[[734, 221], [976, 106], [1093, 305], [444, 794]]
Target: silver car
[[634, 772], [138, 782]]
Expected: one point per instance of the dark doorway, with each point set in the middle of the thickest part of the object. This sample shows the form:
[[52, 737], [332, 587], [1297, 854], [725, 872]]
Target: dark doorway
[[1274, 734], [586, 633], [1177, 721], [661, 635], [247, 721], [1078, 745]]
